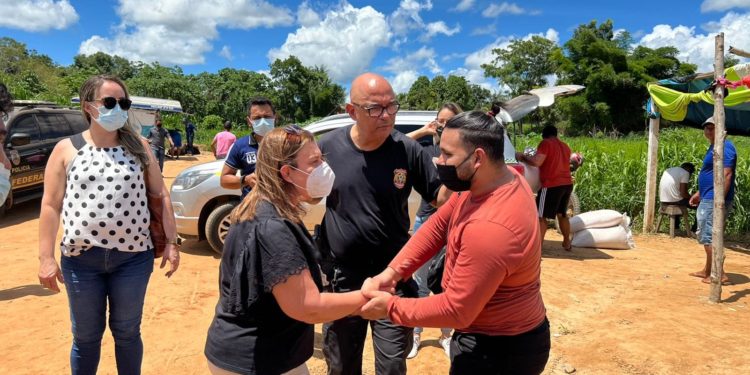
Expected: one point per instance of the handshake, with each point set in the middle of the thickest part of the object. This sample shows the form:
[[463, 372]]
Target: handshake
[[378, 290]]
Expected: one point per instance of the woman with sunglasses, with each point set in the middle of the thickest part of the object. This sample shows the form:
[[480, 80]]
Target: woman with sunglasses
[[269, 280], [98, 181]]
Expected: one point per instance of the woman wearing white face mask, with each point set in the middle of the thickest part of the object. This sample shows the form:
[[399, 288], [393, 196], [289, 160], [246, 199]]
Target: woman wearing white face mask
[[98, 182], [270, 282]]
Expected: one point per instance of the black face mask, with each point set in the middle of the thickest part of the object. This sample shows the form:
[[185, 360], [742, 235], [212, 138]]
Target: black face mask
[[448, 175]]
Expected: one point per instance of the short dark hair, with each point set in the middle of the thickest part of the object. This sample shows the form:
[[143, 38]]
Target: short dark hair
[[260, 101], [480, 130], [227, 125], [688, 167], [6, 100], [549, 131]]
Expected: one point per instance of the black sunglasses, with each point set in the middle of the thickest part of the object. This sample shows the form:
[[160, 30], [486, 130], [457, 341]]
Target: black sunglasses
[[110, 102]]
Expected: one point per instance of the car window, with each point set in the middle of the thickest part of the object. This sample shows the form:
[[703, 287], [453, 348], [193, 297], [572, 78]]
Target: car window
[[27, 125], [77, 122], [406, 129], [53, 126]]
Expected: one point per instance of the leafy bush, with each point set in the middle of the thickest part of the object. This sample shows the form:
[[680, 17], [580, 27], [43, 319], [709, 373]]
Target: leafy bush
[[212, 122]]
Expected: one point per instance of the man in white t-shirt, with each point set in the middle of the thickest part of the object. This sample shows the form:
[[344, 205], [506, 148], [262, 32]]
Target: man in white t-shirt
[[673, 186]]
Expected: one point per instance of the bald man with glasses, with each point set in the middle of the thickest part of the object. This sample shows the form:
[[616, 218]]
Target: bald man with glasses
[[367, 220]]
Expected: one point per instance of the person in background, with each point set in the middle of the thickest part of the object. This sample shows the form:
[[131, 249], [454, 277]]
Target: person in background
[[98, 182], [491, 283], [367, 221], [261, 117], [434, 128], [223, 141], [269, 280], [6, 106], [189, 134], [553, 160], [156, 137], [673, 187], [704, 198]]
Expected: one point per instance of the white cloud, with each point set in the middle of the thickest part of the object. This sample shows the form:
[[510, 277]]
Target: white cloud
[[306, 16], [464, 5], [422, 58], [485, 30], [472, 69], [345, 42], [37, 15], [439, 27], [402, 82], [407, 18], [226, 53], [698, 48], [181, 31], [452, 56], [495, 10], [722, 5]]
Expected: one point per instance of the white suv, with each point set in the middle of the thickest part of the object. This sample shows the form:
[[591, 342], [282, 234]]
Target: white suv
[[202, 207]]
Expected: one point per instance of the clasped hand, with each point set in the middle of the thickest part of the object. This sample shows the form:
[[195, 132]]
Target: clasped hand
[[378, 290]]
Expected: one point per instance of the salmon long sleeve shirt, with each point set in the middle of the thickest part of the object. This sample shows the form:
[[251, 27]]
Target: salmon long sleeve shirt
[[491, 283]]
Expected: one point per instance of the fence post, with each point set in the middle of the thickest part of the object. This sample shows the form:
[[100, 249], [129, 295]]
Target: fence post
[[651, 169], [717, 234]]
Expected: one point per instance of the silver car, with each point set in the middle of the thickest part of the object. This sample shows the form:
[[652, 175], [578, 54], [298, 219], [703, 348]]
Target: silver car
[[202, 207]]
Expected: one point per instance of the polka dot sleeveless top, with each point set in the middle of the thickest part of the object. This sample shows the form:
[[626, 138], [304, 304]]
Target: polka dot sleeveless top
[[105, 202]]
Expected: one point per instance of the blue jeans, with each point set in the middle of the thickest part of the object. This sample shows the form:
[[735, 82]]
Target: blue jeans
[[91, 280], [159, 155], [705, 217], [420, 276]]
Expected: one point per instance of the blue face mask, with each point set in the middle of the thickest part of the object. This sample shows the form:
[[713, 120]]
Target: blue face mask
[[262, 126], [111, 119]]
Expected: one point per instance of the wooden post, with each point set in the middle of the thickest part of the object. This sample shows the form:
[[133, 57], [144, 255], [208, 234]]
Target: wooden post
[[653, 161], [717, 234], [738, 52]]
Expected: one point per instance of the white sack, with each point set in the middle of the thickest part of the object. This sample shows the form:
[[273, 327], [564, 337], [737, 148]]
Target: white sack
[[598, 219], [617, 237]]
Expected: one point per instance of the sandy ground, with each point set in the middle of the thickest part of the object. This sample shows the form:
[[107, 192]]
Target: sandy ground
[[611, 312]]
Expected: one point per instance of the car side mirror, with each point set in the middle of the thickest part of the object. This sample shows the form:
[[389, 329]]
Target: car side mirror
[[20, 139]]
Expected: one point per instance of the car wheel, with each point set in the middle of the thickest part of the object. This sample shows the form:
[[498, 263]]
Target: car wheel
[[574, 208], [217, 226]]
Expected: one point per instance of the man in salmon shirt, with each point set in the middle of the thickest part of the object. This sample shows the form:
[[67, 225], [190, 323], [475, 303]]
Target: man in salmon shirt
[[491, 280], [553, 159]]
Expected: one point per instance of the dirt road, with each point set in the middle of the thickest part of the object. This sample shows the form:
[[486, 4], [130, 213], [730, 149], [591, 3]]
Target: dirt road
[[611, 312]]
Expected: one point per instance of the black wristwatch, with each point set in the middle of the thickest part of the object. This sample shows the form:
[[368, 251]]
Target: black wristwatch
[[242, 180]]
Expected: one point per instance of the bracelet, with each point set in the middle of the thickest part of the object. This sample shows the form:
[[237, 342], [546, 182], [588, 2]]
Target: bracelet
[[242, 180]]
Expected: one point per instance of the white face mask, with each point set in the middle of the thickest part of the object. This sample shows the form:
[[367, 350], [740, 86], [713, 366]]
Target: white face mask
[[262, 126], [111, 119], [319, 181]]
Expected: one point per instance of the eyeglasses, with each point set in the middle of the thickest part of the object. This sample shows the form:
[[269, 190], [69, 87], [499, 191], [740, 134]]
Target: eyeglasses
[[110, 102], [377, 110]]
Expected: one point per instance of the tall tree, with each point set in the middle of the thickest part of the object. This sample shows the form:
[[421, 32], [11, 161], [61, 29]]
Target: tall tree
[[524, 64]]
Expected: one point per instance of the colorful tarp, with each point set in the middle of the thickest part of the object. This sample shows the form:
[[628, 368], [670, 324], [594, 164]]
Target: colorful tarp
[[684, 100]]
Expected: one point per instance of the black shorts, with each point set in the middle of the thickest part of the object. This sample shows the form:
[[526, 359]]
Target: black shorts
[[553, 201]]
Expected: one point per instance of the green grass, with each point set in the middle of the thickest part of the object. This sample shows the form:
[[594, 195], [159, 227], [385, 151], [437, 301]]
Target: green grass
[[613, 175]]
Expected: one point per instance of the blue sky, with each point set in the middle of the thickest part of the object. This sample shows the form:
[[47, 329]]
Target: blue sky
[[401, 40]]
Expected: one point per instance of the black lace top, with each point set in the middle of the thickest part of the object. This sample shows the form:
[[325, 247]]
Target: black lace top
[[250, 334]]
